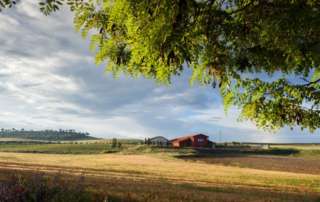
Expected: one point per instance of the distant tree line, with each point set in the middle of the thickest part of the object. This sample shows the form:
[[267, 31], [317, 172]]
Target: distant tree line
[[50, 135]]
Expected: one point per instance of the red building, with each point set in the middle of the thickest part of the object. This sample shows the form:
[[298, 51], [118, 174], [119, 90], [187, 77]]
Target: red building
[[193, 140]]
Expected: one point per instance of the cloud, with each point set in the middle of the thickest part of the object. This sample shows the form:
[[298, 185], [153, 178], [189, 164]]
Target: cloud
[[48, 80]]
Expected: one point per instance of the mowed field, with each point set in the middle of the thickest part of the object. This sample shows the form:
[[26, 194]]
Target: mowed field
[[147, 174]]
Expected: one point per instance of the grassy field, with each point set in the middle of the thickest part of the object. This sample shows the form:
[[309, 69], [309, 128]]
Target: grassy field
[[308, 150], [66, 148], [162, 169], [142, 173], [135, 146], [97, 147], [116, 189]]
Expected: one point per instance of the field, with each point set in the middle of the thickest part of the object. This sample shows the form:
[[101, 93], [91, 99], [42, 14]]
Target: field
[[143, 173]]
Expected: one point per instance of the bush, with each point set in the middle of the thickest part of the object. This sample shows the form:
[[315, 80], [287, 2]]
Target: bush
[[114, 143], [39, 188]]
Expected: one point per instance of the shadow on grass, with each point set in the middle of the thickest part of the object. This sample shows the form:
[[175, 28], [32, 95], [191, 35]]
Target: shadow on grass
[[238, 152]]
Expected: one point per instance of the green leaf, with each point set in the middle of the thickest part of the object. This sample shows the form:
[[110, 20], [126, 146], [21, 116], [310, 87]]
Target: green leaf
[[316, 75]]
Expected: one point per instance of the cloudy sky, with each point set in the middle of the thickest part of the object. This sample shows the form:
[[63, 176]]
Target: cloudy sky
[[48, 80]]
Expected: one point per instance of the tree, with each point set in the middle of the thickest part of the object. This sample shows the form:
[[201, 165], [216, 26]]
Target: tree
[[114, 143], [226, 43]]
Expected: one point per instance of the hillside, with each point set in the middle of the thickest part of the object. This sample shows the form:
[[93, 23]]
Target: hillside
[[45, 135]]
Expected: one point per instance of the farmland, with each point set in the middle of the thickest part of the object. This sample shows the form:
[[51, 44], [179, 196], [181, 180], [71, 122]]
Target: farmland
[[144, 172]]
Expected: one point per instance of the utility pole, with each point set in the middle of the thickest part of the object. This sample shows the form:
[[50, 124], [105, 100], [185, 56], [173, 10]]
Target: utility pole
[[220, 134]]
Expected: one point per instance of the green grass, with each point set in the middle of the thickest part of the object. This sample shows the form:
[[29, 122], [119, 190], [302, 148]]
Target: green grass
[[89, 148], [59, 148], [306, 151], [65, 147], [133, 147], [146, 149]]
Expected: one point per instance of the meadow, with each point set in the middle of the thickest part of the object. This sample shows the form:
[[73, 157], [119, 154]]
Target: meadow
[[135, 172]]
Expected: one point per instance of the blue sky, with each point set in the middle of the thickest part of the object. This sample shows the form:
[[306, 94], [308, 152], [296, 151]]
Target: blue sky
[[48, 80]]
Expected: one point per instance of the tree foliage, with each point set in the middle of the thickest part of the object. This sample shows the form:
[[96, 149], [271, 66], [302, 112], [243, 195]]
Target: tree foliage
[[226, 43], [48, 135]]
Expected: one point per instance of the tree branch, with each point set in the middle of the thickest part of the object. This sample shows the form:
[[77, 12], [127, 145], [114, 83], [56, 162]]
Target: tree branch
[[243, 8], [311, 82]]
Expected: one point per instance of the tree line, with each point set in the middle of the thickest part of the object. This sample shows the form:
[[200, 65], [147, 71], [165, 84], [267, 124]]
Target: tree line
[[50, 135]]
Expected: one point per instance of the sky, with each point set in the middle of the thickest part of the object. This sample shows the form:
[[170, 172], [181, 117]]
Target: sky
[[48, 80]]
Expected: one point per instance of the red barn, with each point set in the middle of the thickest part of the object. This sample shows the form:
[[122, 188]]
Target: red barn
[[193, 140]]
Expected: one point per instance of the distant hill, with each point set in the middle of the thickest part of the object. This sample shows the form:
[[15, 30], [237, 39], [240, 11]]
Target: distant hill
[[46, 135]]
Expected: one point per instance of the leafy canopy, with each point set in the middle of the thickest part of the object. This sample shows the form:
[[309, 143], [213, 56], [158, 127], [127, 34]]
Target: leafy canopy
[[226, 44]]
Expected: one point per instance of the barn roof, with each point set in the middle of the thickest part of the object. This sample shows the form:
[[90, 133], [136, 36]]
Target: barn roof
[[188, 137]]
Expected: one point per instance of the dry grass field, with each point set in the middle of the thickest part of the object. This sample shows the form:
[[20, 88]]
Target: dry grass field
[[146, 176], [275, 163]]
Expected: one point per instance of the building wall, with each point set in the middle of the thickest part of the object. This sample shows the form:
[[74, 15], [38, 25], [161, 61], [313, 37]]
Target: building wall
[[160, 141], [175, 144], [195, 141], [200, 141]]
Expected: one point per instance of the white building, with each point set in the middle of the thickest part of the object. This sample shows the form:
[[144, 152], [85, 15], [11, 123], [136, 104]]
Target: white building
[[159, 140]]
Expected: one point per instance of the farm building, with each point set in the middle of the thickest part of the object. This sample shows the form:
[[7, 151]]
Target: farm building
[[159, 140], [193, 140]]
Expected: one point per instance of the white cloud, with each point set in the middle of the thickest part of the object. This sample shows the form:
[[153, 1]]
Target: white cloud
[[48, 80]]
